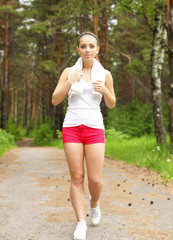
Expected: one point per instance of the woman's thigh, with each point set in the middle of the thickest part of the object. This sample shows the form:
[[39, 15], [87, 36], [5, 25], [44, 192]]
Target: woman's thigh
[[94, 155], [75, 158]]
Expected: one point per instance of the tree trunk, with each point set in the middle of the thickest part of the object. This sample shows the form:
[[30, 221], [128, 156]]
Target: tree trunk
[[43, 84], [8, 89], [121, 98], [29, 106], [12, 107], [24, 103], [38, 108], [1, 4], [169, 27], [103, 54], [4, 86], [59, 110], [104, 39], [157, 59], [95, 20], [48, 97], [131, 89], [16, 107]]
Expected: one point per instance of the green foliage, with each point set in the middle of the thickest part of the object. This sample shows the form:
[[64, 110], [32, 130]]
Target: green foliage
[[137, 67], [142, 152], [16, 131], [8, 9], [43, 136], [6, 141], [6, 138], [161, 160], [48, 66], [56, 143], [113, 135], [133, 119], [142, 7], [59, 134]]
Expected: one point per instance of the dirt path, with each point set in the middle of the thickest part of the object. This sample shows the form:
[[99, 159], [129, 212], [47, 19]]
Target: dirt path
[[35, 205]]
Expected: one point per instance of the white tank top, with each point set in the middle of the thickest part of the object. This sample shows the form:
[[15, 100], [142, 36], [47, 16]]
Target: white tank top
[[84, 109]]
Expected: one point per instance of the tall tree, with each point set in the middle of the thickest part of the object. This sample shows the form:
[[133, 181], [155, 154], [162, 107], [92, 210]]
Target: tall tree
[[157, 59], [59, 110], [1, 4], [132, 43], [169, 27], [103, 35], [9, 15], [4, 85], [43, 92], [104, 42], [95, 18]]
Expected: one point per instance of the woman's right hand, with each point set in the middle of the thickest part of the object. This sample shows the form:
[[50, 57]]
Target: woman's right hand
[[75, 76]]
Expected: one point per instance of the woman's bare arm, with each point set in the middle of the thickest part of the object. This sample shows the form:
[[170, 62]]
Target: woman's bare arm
[[62, 88], [106, 89], [109, 95], [64, 85]]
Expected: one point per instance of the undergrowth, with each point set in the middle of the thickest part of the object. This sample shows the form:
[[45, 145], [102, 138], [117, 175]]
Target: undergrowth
[[6, 141], [141, 151]]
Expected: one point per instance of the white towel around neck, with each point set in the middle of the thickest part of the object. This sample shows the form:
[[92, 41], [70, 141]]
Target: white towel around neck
[[97, 73]]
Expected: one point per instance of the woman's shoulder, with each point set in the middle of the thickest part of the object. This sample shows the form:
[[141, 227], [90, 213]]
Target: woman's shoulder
[[64, 74], [108, 77], [67, 70], [108, 74]]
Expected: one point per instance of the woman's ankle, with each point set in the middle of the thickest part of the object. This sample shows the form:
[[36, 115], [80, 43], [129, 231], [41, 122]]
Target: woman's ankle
[[94, 204]]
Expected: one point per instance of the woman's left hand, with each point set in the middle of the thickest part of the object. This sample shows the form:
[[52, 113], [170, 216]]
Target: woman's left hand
[[99, 86]]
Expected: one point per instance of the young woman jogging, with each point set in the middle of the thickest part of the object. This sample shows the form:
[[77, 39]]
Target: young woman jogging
[[83, 129]]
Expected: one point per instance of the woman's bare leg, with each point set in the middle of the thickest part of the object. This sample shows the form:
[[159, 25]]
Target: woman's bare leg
[[75, 158], [94, 154]]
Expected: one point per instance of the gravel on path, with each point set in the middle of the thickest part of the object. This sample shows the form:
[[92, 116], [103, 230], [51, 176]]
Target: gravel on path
[[35, 205]]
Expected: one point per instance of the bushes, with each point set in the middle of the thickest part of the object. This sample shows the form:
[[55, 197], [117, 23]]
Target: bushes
[[59, 134], [6, 138], [134, 119], [16, 131], [6, 141], [113, 135], [43, 136]]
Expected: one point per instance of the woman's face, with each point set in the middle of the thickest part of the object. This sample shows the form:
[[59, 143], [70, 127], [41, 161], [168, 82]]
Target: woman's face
[[88, 47]]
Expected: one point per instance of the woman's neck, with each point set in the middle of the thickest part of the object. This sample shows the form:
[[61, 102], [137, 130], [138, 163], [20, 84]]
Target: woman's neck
[[88, 64]]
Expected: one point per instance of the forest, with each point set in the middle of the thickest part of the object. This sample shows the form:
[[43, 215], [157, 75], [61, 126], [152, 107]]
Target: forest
[[38, 40]]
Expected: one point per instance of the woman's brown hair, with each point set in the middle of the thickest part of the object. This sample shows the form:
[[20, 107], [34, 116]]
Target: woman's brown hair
[[90, 34]]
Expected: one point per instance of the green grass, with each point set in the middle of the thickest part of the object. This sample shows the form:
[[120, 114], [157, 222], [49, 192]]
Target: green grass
[[5, 148], [53, 143], [142, 152], [6, 141]]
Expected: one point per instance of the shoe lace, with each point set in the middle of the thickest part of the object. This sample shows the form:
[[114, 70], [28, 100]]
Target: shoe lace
[[94, 212]]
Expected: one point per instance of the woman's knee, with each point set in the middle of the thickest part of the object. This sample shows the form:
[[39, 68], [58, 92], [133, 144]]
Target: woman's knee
[[95, 181], [77, 179]]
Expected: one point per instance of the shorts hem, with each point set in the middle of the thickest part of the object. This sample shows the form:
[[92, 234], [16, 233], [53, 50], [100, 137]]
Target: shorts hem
[[85, 143]]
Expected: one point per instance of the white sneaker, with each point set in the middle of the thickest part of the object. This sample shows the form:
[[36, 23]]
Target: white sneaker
[[95, 215], [80, 231]]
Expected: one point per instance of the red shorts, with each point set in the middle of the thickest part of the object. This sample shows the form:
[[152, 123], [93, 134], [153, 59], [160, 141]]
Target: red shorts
[[83, 134]]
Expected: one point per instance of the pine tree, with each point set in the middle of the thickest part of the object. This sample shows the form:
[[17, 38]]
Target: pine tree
[[9, 12]]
